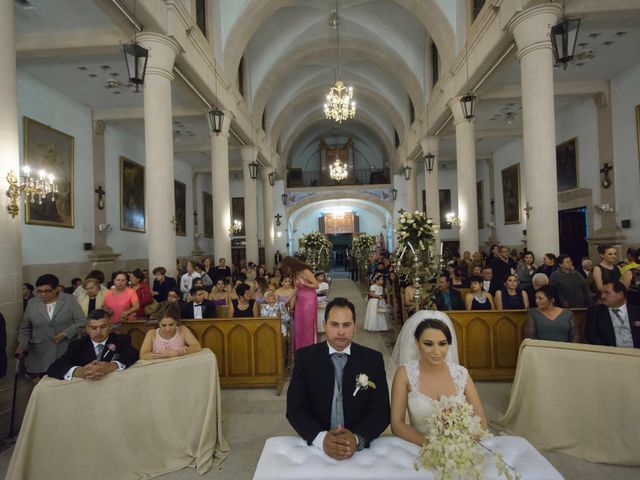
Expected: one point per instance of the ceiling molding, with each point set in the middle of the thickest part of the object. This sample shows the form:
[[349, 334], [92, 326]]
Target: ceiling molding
[[70, 44], [572, 88], [137, 113]]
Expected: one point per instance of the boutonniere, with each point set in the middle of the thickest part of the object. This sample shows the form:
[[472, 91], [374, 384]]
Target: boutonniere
[[362, 383], [112, 347], [637, 323]]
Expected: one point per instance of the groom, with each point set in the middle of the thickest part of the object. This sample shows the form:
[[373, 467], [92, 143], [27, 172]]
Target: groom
[[338, 398]]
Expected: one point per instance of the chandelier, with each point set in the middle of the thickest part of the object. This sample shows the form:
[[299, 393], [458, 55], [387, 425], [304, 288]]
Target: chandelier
[[338, 170], [34, 188], [235, 227], [340, 104]]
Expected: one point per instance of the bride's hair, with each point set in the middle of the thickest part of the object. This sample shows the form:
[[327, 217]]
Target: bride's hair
[[435, 324]]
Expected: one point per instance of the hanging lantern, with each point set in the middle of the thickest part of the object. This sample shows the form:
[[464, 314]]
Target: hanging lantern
[[136, 57], [215, 118], [394, 193], [429, 160], [285, 198], [253, 170], [406, 171], [564, 36], [272, 178], [468, 103]]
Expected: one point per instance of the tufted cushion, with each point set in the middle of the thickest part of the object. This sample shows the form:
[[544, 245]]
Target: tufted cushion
[[289, 458]]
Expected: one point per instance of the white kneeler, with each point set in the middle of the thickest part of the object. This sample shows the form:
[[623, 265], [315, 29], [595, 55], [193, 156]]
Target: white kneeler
[[388, 458]]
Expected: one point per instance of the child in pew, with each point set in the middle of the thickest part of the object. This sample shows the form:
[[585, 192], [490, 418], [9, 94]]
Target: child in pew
[[170, 339]]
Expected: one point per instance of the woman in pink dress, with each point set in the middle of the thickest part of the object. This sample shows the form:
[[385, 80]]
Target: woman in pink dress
[[305, 324], [121, 300], [170, 339]]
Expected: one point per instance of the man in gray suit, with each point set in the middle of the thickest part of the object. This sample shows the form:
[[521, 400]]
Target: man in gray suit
[[50, 320]]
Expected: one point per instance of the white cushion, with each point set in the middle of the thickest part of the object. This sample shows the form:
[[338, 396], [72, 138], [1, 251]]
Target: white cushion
[[290, 458]]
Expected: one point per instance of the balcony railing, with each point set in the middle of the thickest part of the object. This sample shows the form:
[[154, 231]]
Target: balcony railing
[[297, 178]]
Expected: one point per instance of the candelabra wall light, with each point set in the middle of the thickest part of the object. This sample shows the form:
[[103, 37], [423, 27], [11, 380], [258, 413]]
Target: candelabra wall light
[[605, 208], [284, 198], [235, 227], [406, 171], [453, 219], [34, 188]]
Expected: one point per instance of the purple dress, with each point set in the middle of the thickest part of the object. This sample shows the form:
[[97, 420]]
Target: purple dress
[[305, 316]]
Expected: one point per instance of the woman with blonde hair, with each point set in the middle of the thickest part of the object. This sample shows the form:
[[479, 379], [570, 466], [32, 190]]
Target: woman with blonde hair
[[93, 296]]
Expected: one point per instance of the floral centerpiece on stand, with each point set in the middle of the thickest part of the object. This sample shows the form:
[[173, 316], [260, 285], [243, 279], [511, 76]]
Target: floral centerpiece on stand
[[362, 247], [452, 447], [317, 250], [414, 257]]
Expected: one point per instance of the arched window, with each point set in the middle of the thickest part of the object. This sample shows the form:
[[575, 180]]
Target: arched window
[[412, 112], [435, 63], [201, 16], [241, 76], [476, 6]]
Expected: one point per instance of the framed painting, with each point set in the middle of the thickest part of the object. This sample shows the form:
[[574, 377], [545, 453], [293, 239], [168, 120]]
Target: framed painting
[[51, 150], [132, 215], [207, 206], [638, 129], [445, 207], [567, 165], [480, 199], [237, 213], [180, 196], [511, 194]]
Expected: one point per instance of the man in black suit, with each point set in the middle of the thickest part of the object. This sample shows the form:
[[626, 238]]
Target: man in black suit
[[338, 398], [199, 307], [614, 323], [96, 355], [447, 298], [489, 284]]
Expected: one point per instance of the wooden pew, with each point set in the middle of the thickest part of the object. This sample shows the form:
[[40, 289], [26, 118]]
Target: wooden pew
[[249, 351], [489, 340]]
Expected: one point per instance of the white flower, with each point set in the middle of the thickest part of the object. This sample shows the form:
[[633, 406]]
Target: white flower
[[362, 380]]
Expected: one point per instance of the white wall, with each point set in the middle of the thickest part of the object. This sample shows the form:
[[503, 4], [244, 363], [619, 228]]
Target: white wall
[[447, 180], [625, 96], [46, 245]]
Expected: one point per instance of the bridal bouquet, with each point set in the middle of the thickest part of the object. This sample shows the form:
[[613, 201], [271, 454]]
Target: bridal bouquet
[[452, 445]]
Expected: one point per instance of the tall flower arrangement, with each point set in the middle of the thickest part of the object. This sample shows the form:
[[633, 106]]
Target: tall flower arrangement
[[317, 250], [414, 256], [362, 248]]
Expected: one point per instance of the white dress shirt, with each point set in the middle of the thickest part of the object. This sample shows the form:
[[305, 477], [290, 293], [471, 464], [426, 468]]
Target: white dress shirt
[[69, 374]]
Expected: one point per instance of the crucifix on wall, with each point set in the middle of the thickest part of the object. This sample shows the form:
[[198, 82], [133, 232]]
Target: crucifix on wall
[[527, 209], [606, 181], [101, 193], [278, 217]]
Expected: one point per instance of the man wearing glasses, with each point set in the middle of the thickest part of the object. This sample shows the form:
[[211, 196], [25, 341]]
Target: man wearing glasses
[[50, 320]]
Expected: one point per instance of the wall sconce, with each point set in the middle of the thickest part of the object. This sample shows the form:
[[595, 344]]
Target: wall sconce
[[406, 171], [604, 208], [272, 178], [215, 118], [279, 234], [253, 170], [136, 57], [285, 198], [278, 218], [429, 160], [394, 193], [235, 227], [33, 188], [606, 181], [453, 219]]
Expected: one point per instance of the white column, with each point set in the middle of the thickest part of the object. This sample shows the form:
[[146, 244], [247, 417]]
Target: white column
[[411, 198], [531, 28], [267, 205], [250, 154], [10, 238], [466, 173], [431, 144], [220, 189], [158, 147]]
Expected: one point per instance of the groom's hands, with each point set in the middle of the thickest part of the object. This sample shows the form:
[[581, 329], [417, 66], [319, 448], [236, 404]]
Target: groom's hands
[[339, 443]]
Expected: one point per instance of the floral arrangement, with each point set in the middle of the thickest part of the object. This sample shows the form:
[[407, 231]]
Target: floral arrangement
[[362, 248], [414, 257], [317, 250], [452, 447]]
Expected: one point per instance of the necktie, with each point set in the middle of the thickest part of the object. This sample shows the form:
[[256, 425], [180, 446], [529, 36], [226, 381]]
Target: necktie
[[616, 311], [99, 348], [337, 411]]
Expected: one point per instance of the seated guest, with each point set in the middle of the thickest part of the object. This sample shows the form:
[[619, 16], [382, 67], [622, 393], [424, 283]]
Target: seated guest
[[199, 307], [174, 295], [572, 287], [141, 287], [27, 294], [410, 299], [98, 275], [510, 297], [162, 284], [121, 300], [261, 286], [323, 289], [526, 269], [631, 279], [221, 271], [206, 280], [549, 264], [614, 322], [96, 355], [447, 298], [456, 279], [93, 296], [186, 281], [502, 265], [240, 279], [476, 271], [197, 282], [273, 308], [75, 283], [244, 305], [478, 298], [489, 284], [219, 295], [170, 339], [548, 321]]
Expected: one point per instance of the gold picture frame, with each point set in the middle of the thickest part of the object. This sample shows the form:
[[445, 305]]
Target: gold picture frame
[[511, 194], [132, 206], [180, 196], [51, 150]]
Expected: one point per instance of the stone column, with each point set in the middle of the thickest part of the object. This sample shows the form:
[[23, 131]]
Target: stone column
[[531, 29], [466, 173], [102, 254], [431, 144], [158, 147], [220, 189], [10, 238], [250, 154], [412, 187], [269, 230]]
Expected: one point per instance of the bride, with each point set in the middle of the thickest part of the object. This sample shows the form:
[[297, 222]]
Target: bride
[[425, 378]]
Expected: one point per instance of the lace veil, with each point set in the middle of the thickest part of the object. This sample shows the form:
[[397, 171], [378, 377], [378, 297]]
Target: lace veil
[[406, 349]]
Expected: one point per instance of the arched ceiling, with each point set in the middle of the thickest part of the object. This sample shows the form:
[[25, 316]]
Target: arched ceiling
[[290, 58]]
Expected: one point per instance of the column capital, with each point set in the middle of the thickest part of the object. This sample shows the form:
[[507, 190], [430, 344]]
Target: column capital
[[162, 53], [430, 144], [456, 110], [229, 116], [531, 27], [249, 153]]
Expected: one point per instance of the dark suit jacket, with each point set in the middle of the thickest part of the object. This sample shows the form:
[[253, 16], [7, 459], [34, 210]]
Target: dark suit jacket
[[81, 352], [208, 310], [599, 327], [311, 392], [456, 300]]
